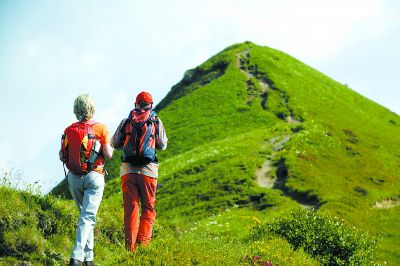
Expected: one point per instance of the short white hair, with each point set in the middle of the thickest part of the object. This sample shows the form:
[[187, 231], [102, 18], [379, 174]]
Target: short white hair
[[84, 107]]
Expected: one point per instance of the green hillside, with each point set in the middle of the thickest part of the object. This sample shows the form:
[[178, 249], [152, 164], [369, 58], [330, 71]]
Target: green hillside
[[257, 142]]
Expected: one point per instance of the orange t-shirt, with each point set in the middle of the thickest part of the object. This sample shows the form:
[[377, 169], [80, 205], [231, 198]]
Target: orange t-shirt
[[102, 134]]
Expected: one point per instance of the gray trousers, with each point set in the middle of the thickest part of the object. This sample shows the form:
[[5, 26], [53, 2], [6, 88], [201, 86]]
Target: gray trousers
[[87, 192]]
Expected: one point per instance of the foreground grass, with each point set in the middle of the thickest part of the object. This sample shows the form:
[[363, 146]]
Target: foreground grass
[[34, 228], [40, 229], [216, 239], [212, 241]]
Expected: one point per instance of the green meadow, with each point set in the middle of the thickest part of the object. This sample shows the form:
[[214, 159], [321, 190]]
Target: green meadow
[[268, 160]]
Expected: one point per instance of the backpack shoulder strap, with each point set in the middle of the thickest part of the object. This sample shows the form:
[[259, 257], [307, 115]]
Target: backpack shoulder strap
[[76, 124], [127, 121], [153, 117], [153, 113]]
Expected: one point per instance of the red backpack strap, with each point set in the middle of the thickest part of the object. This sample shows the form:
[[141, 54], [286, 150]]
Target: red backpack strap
[[63, 146], [64, 152]]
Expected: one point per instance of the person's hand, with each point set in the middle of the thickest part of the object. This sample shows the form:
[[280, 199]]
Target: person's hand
[[60, 154]]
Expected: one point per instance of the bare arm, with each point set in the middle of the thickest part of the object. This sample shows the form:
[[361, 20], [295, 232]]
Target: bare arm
[[107, 151]]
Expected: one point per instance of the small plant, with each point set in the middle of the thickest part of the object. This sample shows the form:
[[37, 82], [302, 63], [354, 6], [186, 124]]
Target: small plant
[[326, 238], [10, 178]]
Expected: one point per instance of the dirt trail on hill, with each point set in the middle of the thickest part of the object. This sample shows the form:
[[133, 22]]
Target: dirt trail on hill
[[265, 176], [386, 204], [242, 60], [269, 175], [275, 176]]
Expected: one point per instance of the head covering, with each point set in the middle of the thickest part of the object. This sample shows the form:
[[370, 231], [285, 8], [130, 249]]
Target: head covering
[[145, 97]]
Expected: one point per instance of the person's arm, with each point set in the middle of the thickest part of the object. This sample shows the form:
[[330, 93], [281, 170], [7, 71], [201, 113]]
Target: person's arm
[[161, 136], [107, 151], [106, 148], [60, 154], [117, 140]]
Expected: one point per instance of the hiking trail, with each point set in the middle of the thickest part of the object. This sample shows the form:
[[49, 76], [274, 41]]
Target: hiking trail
[[251, 72], [387, 204], [269, 175]]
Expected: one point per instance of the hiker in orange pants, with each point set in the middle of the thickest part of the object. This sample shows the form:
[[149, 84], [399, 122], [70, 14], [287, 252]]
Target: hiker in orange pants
[[135, 187], [138, 136]]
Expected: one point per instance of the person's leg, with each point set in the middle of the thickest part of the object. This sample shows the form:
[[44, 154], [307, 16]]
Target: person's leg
[[93, 185], [131, 210], [147, 187], [75, 185], [89, 255]]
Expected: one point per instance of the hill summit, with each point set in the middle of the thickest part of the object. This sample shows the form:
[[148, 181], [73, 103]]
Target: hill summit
[[311, 137], [254, 130]]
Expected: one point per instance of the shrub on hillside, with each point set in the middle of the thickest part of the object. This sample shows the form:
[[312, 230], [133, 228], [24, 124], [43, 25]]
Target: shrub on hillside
[[22, 241], [324, 237]]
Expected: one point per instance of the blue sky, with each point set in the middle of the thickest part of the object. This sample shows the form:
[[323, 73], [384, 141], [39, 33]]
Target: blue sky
[[51, 51]]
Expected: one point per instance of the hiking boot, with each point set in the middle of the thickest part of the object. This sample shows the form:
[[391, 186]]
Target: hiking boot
[[88, 263], [75, 262]]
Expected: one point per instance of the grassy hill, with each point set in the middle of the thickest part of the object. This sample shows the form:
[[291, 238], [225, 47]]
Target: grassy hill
[[257, 142]]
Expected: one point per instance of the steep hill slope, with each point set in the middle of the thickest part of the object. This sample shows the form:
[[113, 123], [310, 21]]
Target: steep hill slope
[[255, 130], [330, 133]]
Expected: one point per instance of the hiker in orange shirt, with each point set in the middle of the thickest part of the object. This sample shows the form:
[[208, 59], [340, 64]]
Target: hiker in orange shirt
[[84, 147], [139, 136]]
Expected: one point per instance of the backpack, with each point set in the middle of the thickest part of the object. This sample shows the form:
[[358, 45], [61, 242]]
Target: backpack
[[79, 147], [140, 144]]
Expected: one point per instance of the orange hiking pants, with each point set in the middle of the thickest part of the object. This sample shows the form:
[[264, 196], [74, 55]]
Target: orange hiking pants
[[137, 187]]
